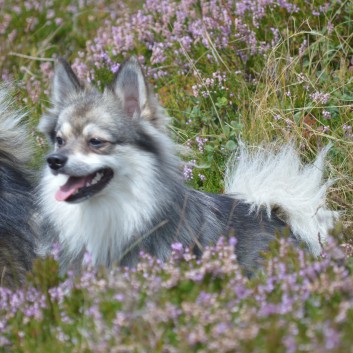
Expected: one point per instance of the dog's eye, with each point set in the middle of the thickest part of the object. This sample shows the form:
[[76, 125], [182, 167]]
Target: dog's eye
[[94, 142], [59, 140]]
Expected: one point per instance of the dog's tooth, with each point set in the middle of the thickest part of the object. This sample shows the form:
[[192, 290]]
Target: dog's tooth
[[97, 178]]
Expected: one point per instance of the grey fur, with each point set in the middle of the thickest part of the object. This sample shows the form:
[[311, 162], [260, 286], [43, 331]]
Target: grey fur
[[131, 118], [17, 226], [197, 220]]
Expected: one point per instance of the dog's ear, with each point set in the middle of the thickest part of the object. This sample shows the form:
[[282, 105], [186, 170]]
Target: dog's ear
[[65, 83], [134, 93], [130, 86]]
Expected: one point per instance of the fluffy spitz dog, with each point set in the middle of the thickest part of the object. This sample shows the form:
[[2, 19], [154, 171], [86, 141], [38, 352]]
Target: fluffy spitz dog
[[113, 186], [17, 227]]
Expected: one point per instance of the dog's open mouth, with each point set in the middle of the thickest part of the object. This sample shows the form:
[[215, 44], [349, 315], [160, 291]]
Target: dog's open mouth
[[77, 189]]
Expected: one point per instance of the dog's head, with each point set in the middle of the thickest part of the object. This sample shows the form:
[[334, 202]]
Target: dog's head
[[100, 136]]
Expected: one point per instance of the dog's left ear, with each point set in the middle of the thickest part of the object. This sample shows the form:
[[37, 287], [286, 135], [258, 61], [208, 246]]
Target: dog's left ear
[[131, 88]]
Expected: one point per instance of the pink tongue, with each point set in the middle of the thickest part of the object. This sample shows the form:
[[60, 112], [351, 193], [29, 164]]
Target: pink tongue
[[72, 184]]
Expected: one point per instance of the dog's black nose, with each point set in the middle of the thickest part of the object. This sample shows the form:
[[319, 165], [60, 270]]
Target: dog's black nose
[[56, 161]]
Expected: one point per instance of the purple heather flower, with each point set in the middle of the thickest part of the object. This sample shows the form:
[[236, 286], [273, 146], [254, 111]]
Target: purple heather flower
[[178, 247], [347, 128], [188, 170], [114, 68], [201, 177], [326, 114], [303, 46], [201, 142], [87, 259], [320, 98]]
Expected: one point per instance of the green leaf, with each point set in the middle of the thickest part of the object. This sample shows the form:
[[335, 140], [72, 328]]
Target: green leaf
[[231, 145]]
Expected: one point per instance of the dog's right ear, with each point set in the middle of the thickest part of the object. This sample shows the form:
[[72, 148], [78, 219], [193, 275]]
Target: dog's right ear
[[65, 83]]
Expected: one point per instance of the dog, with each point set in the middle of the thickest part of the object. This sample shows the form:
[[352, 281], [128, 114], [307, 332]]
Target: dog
[[112, 184], [17, 207]]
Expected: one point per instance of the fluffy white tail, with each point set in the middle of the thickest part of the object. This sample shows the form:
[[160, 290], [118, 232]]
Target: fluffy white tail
[[268, 178]]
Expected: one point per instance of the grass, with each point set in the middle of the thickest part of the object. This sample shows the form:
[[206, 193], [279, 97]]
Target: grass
[[224, 71]]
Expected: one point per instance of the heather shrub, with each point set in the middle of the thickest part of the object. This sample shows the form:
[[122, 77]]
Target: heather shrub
[[187, 305]]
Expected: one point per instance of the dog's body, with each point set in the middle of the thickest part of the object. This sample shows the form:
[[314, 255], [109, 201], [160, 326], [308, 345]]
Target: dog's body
[[113, 184], [17, 226]]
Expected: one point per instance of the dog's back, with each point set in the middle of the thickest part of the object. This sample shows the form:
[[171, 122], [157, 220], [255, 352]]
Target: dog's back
[[16, 203]]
